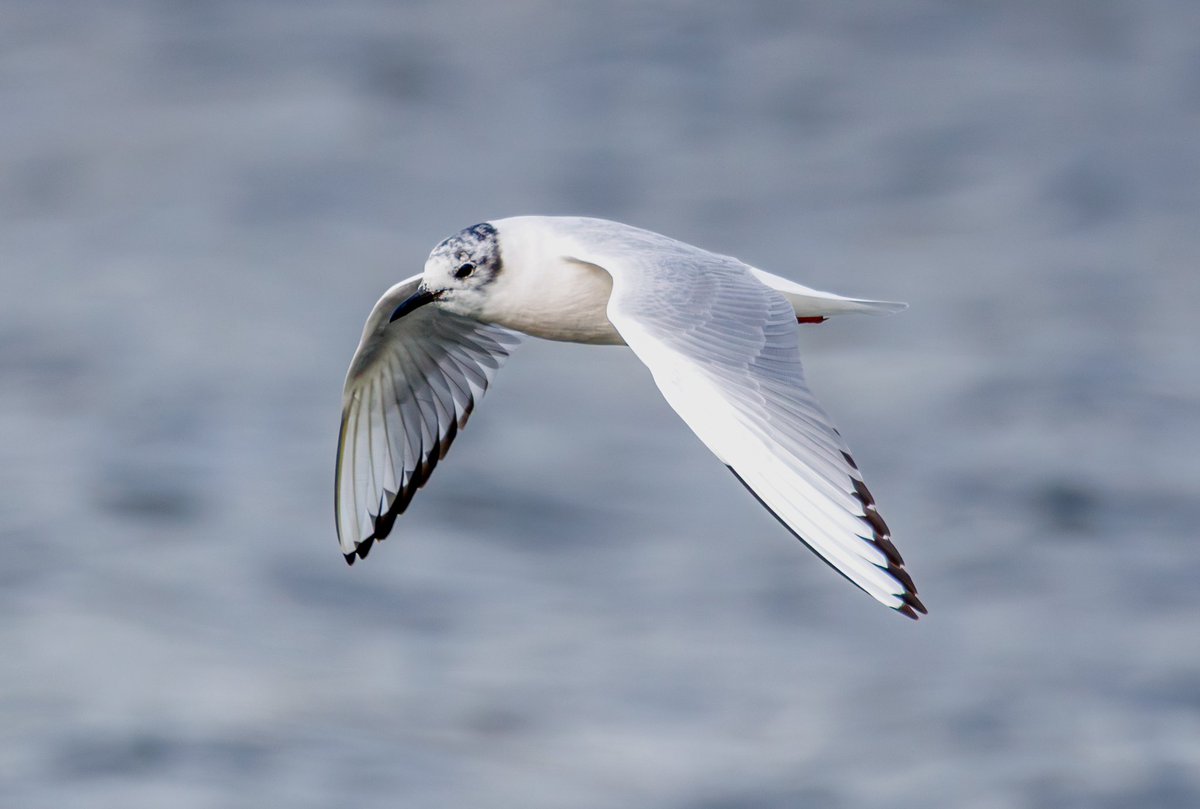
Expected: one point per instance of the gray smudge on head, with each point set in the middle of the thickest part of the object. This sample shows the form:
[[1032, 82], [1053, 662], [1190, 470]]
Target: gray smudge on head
[[478, 244]]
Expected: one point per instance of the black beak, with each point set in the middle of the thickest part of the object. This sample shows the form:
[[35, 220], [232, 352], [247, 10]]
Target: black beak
[[418, 299]]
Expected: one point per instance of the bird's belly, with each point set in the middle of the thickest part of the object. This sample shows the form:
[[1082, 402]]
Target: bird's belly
[[571, 323]]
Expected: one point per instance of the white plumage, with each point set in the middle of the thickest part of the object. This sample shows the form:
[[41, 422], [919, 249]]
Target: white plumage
[[720, 338]]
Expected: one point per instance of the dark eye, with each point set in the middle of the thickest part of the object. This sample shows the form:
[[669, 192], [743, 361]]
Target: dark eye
[[464, 269]]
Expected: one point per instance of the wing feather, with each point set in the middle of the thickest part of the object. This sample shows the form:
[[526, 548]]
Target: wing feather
[[412, 385], [724, 350]]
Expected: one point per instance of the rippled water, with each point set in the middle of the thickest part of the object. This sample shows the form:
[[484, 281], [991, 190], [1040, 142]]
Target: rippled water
[[201, 201]]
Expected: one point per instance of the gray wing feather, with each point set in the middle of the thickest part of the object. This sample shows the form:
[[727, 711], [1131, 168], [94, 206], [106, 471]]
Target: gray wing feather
[[411, 387], [724, 350]]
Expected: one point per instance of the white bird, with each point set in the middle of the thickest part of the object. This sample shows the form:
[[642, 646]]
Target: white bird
[[721, 339]]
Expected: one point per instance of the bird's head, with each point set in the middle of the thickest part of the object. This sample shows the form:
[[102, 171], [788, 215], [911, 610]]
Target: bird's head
[[458, 272]]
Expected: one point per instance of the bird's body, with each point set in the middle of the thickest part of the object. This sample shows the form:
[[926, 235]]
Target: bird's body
[[720, 338], [555, 299]]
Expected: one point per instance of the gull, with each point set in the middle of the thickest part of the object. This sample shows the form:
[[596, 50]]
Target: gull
[[721, 339]]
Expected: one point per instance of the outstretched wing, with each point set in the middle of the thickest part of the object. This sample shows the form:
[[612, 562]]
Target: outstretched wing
[[724, 351], [411, 386]]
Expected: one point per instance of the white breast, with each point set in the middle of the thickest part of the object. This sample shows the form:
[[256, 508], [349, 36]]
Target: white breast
[[542, 292]]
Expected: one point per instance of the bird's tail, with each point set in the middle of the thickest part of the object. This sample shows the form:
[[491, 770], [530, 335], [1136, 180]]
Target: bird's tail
[[813, 303]]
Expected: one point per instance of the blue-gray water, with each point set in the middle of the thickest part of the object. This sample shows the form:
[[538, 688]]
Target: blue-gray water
[[199, 203]]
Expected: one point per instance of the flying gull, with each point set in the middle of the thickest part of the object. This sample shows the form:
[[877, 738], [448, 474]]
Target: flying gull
[[720, 337]]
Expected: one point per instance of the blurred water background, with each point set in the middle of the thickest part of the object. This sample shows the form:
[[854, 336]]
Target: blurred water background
[[200, 202]]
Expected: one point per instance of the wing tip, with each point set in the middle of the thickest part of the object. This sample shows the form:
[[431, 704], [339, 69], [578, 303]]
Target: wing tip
[[911, 606], [881, 538], [361, 549]]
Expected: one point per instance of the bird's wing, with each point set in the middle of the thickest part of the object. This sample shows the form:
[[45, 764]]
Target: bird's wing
[[724, 351], [411, 386]]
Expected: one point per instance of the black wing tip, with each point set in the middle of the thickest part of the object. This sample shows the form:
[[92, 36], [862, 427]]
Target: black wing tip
[[910, 603], [361, 549], [384, 522], [901, 575], [911, 606], [881, 537], [398, 502]]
